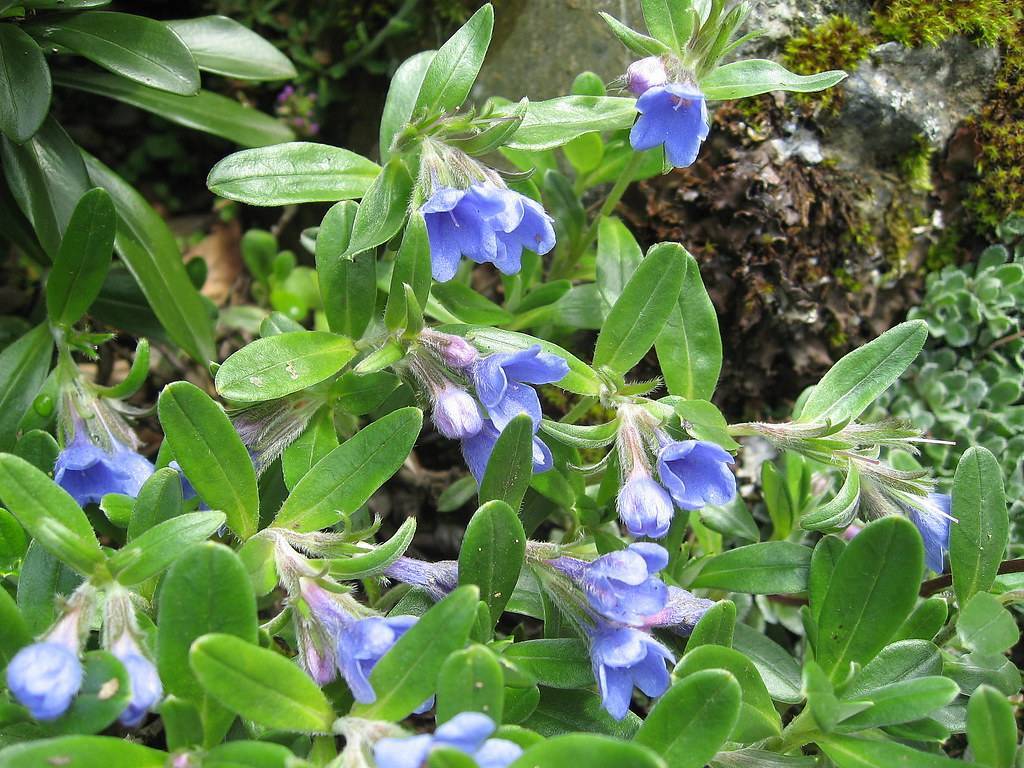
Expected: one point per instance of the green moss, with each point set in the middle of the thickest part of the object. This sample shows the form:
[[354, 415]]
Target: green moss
[[916, 165], [836, 43], [930, 22]]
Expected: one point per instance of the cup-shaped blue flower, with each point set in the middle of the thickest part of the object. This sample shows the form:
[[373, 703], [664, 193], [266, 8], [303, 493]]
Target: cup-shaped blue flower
[[931, 516], [456, 414], [88, 472], [477, 451], [624, 657], [467, 732], [485, 223], [44, 677], [502, 382], [622, 586], [645, 74], [645, 507], [674, 115], [696, 473]]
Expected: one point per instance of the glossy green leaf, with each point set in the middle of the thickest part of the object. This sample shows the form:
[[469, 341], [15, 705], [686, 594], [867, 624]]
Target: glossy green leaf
[[42, 578], [715, 627], [670, 22], [491, 555], [904, 702], [374, 562], [640, 312], [211, 455], [82, 752], [759, 569], [872, 590], [852, 752], [633, 40], [105, 692], [382, 210], [206, 111], [692, 720], [259, 684], [468, 305], [991, 728], [14, 632], [978, 540], [225, 47], [560, 662], [452, 71], [83, 259], [510, 467], [148, 248], [561, 712], [407, 675], [778, 669], [343, 480], [412, 267], [401, 98], [134, 47], [360, 394], [592, 750], [705, 422], [25, 88], [159, 499], [23, 368], [984, 625], [555, 122], [347, 285], [751, 77], [161, 545], [49, 514], [925, 622], [470, 680], [618, 256], [295, 172], [853, 383], [897, 662], [317, 440]]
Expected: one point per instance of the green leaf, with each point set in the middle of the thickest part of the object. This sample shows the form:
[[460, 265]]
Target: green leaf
[[148, 248], [134, 47], [105, 692], [692, 720], [775, 664], [383, 209], [839, 511], [82, 752], [491, 554], [860, 377], [561, 712], [343, 480], [510, 468], [224, 47], [618, 256], [25, 88], [592, 750], [670, 21], [273, 367], [412, 268], [759, 569], [690, 346], [296, 172], [402, 93], [407, 675], [984, 624], [872, 590], [49, 514], [206, 590], [991, 728], [904, 702], [260, 685], [14, 634], [211, 454], [248, 754], [453, 69], [705, 422], [41, 580], [640, 312], [360, 394], [159, 499], [582, 435], [897, 662], [468, 305], [758, 717], [375, 561], [978, 540], [136, 377], [23, 368], [715, 627], [347, 285], [470, 680], [83, 259], [206, 111], [851, 752], [317, 440], [633, 40], [161, 545], [925, 622], [561, 662], [555, 122], [46, 177], [751, 77]]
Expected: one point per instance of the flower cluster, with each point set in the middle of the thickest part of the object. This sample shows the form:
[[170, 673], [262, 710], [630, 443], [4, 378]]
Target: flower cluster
[[467, 732], [692, 474], [673, 111]]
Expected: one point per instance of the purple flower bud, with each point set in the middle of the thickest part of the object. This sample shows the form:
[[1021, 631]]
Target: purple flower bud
[[501, 381], [454, 351], [456, 414], [44, 677], [673, 115], [146, 689], [437, 579], [645, 74], [931, 516], [467, 732], [644, 506], [681, 613], [696, 473], [88, 471], [622, 658]]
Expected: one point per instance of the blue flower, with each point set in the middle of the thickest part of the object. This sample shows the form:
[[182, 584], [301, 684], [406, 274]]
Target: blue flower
[[645, 507], [478, 448], [501, 381], [621, 586], [146, 687], [467, 732], [88, 472], [673, 115], [624, 657], [696, 473], [456, 414], [44, 677], [931, 516], [484, 223], [645, 74], [361, 644]]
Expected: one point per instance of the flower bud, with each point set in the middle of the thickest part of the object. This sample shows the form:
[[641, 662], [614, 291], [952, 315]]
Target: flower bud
[[456, 414], [453, 351], [147, 689], [644, 74], [645, 507], [44, 677]]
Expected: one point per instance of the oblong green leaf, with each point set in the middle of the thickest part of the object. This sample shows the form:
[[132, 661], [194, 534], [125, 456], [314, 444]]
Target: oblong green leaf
[[556, 122], [590, 749], [510, 468], [161, 545], [295, 172], [751, 77], [453, 69], [49, 514], [134, 47], [275, 366], [260, 685], [491, 555], [401, 98], [25, 90], [633, 40], [852, 752], [82, 752], [382, 210], [978, 539], [343, 480], [23, 368], [904, 702], [211, 454], [348, 286], [991, 728], [470, 680], [768, 567], [225, 47], [558, 662], [83, 259]]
